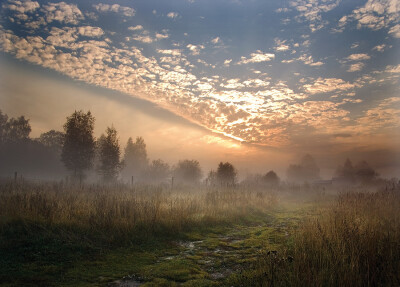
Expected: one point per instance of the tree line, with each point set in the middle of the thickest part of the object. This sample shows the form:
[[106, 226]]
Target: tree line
[[76, 150]]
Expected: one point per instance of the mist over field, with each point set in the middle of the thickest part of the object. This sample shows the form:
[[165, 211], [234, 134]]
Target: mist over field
[[199, 143]]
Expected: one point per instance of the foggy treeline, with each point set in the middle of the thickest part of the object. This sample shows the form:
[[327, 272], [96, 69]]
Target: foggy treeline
[[32, 157], [76, 155]]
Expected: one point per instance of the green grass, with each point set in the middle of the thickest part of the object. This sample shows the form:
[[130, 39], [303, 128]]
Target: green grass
[[352, 241], [49, 255], [50, 236]]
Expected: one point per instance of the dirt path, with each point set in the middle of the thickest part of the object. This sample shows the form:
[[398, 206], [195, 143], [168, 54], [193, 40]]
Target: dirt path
[[212, 258]]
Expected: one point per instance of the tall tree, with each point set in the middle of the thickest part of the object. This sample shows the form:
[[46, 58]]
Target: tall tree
[[135, 158], [211, 177], [158, 171], [346, 173], [79, 145], [109, 155], [188, 171], [360, 173], [226, 173], [365, 173], [29, 158], [3, 127], [16, 130], [53, 140], [271, 178]]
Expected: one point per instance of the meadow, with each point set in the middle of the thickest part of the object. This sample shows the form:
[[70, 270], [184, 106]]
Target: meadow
[[54, 234]]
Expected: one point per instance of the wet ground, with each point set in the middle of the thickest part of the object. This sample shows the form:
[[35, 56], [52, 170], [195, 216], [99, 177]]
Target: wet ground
[[213, 257]]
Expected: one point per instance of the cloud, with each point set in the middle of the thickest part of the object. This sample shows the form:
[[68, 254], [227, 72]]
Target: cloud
[[135, 28], [311, 11], [174, 52], [283, 94], [233, 84], [326, 85], [216, 40], [90, 31], [116, 8], [256, 83], [393, 69], [380, 48], [161, 36], [282, 10], [358, 57], [204, 86], [281, 45], [384, 115], [308, 60], [195, 49], [21, 7], [62, 12], [172, 15], [143, 38], [64, 38], [227, 62], [395, 31], [356, 67], [375, 15], [257, 57]]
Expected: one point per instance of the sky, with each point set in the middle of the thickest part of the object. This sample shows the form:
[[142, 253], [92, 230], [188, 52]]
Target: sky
[[255, 82]]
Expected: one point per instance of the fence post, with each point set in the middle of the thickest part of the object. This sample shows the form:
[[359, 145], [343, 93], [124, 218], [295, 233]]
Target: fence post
[[15, 177], [172, 182]]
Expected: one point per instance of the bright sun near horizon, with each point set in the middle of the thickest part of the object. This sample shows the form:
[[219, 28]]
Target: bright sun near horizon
[[258, 83]]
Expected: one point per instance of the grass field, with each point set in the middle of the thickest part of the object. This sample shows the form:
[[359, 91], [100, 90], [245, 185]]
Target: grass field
[[57, 235]]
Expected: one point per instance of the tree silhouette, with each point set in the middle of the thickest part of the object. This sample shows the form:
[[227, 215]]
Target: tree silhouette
[[14, 130], [109, 155], [53, 140], [19, 153], [188, 171], [3, 127], [271, 178], [158, 171], [135, 158], [307, 170], [360, 173], [364, 173], [346, 172], [211, 178], [79, 145], [226, 173]]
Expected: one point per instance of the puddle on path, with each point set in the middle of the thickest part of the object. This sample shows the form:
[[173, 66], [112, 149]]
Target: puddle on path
[[127, 281], [231, 254]]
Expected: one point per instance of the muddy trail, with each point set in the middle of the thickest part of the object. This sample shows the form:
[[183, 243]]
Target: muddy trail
[[212, 259]]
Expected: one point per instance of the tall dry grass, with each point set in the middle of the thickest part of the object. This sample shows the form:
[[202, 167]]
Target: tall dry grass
[[121, 208], [353, 242], [357, 243]]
